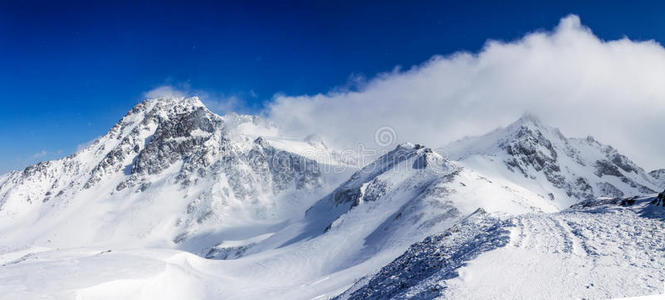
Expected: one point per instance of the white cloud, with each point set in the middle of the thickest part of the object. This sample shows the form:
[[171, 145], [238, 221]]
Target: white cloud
[[614, 90], [217, 102], [39, 154], [165, 91]]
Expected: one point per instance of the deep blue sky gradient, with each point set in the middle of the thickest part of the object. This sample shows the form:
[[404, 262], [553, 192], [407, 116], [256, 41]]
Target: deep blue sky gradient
[[70, 70]]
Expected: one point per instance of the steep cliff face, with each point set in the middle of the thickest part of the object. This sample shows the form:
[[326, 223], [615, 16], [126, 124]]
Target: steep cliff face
[[564, 170]]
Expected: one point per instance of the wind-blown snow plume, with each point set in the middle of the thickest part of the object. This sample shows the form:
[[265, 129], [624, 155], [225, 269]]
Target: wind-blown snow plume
[[568, 77]]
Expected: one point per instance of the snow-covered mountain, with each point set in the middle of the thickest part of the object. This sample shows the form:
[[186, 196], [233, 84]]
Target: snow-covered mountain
[[178, 202], [413, 190], [402, 197], [563, 170], [170, 174]]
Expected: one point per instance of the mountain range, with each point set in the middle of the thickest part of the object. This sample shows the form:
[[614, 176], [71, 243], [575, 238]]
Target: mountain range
[[178, 202]]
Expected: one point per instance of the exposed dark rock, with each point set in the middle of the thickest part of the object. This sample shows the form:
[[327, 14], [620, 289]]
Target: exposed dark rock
[[608, 190], [433, 260], [605, 167]]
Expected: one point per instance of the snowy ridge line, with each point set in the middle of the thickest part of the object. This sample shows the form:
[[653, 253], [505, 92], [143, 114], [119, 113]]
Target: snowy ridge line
[[440, 254], [590, 239]]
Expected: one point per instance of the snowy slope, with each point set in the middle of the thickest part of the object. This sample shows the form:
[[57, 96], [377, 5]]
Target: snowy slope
[[413, 190], [542, 159], [86, 273], [596, 250], [407, 194], [397, 200], [169, 174]]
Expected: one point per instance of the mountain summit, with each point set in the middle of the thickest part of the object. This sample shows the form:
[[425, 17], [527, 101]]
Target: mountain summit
[[167, 172], [564, 170]]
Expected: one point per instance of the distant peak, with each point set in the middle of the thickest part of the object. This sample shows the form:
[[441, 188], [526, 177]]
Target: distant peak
[[406, 145], [532, 122], [415, 149]]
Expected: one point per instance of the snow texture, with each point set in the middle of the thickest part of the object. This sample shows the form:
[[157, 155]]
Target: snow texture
[[176, 202], [596, 250]]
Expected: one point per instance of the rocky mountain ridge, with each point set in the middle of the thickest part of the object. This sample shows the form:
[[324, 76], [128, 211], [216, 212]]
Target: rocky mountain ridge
[[564, 170], [214, 164]]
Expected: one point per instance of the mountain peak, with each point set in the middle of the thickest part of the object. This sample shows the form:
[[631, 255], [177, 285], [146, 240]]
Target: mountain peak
[[404, 157], [163, 106], [527, 128], [194, 101], [570, 169], [175, 104], [528, 120]]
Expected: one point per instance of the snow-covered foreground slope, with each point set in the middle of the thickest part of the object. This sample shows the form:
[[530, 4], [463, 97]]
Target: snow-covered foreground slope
[[594, 251], [86, 273], [541, 159]]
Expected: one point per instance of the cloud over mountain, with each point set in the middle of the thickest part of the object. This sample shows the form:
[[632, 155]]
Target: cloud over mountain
[[568, 77]]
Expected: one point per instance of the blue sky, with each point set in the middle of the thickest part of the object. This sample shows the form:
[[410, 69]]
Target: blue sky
[[70, 70]]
